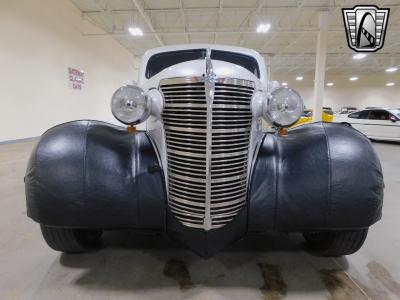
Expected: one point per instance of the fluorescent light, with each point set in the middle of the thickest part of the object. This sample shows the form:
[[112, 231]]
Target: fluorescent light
[[391, 69], [390, 84], [263, 28], [330, 84], [359, 56], [135, 31], [284, 84], [353, 78], [299, 78]]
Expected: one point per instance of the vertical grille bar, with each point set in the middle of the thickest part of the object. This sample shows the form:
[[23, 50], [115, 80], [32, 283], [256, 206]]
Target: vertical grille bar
[[190, 141]]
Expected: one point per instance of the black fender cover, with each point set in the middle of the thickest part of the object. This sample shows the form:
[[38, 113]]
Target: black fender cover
[[91, 174], [321, 176]]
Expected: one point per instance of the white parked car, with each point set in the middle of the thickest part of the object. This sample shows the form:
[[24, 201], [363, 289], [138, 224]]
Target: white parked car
[[377, 124]]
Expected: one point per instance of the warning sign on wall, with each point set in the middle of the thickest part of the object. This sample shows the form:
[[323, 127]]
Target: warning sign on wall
[[76, 78]]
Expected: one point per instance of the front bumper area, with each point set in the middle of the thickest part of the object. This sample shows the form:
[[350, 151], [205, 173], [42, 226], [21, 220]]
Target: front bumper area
[[88, 174]]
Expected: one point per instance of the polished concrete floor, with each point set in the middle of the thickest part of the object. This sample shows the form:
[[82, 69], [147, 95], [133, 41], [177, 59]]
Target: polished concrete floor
[[131, 267]]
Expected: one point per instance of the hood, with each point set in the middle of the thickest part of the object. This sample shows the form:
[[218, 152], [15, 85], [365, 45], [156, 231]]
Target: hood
[[197, 68]]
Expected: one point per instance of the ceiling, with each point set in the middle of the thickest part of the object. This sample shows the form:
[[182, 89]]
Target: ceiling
[[289, 46]]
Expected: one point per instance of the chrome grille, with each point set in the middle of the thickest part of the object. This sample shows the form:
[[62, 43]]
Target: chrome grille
[[185, 123]]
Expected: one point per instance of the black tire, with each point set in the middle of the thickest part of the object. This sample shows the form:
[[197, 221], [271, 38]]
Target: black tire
[[70, 240], [335, 243]]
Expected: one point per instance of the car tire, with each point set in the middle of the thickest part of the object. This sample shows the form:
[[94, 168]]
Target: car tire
[[71, 240], [335, 243]]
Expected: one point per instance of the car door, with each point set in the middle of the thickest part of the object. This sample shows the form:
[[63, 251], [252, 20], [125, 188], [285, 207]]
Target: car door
[[381, 126], [359, 120], [395, 125]]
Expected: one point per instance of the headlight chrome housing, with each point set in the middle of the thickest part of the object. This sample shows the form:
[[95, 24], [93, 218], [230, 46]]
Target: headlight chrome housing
[[284, 107], [130, 105]]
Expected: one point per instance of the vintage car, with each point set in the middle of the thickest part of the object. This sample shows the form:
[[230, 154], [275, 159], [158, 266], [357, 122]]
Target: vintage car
[[203, 172]]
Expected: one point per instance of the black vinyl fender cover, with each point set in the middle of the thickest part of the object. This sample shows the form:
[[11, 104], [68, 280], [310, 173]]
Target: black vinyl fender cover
[[91, 174], [321, 176]]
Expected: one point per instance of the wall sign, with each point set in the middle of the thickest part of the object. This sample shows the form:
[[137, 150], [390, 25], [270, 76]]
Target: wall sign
[[76, 78]]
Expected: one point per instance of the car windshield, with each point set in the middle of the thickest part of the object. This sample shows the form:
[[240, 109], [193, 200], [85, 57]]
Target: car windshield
[[161, 61], [396, 112]]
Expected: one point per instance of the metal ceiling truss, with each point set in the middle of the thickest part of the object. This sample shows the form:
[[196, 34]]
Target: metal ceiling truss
[[290, 45]]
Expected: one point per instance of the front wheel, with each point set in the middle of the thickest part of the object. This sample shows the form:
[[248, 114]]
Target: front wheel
[[70, 240], [336, 243]]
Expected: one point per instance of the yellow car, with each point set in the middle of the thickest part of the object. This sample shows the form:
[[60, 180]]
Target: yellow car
[[307, 117]]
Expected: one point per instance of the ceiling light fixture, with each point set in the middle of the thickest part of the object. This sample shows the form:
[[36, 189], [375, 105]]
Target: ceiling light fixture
[[263, 28], [390, 84], [353, 78], [299, 78], [359, 56], [284, 83], [391, 69], [135, 31], [330, 84]]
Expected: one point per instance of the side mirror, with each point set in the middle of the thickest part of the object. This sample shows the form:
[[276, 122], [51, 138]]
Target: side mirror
[[393, 119]]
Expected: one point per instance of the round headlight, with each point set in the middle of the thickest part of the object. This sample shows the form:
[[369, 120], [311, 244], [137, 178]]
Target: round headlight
[[284, 107], [130, 105]]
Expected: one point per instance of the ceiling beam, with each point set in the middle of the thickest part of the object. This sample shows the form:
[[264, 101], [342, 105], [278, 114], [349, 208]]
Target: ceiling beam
[[146, 18], [255, 10], [285, 30], [183, 14], [230, 8]]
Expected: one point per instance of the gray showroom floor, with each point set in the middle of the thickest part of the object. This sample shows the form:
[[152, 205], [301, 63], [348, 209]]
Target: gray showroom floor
[[128, 267]]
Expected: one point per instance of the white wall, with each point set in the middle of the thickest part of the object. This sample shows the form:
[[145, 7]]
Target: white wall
[[369, 90], [39, 40]]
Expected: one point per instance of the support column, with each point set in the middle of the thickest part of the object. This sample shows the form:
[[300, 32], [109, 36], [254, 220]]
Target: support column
[[319, 83]]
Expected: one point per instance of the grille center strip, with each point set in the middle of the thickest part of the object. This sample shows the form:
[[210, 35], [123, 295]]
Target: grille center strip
[[209, 83]]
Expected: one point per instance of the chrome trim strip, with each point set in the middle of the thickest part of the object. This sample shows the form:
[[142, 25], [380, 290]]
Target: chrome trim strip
[[239, 168], [228, 208], [229, 154], [187, 197], [229, 214], [226, 179], [231, 130], [224, 89], [181, 80], [222, 185], [248, 98], [229, 196], [187, 178], [188, 105], [200, 121], [187, 153], [235, 188], [223, 204], [186, 129], [209, 82], [196, 171], [180, 206], [183, 201], [236, 81]]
